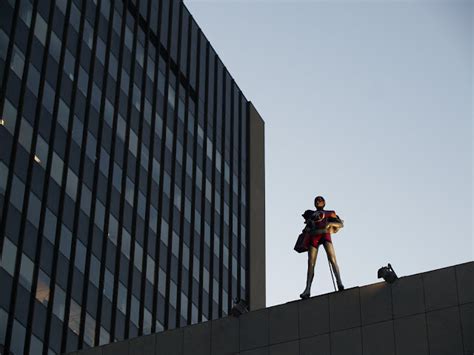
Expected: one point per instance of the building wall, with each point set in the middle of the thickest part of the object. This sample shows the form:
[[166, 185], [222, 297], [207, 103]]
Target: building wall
[[124, 172], [257, 268], [429, 313]]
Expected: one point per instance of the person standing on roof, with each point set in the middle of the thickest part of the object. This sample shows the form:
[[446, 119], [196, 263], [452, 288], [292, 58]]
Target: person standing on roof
[[319, 226]]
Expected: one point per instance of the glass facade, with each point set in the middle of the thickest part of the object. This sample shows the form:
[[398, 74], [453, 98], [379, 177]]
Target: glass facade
[[123, 174]]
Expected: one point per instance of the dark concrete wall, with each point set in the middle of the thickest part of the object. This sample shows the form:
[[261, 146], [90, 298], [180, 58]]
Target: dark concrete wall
[[257, 209], [430, 313]]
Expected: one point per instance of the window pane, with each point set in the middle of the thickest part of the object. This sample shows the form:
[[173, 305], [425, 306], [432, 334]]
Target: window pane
[[65, 242], [59, 300], [18, 338], [74, 317], [8, 258], [26, 272], [42, 288], [80, 256], [89, 330]]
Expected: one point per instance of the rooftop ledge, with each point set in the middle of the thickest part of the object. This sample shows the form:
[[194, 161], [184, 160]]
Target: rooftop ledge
[[430, 313]]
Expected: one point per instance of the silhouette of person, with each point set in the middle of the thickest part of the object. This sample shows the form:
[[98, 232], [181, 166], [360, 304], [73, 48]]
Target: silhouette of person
[[319, 225]]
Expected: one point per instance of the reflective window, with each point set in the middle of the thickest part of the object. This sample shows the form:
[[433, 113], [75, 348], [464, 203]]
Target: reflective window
[[169, 139], [49, 230], [57, 168], [80, 260], [3, 324], [136, 96], [141, 208], [62, 6], [156, 171], [126, 241], [94, 273], [26, 135], [74, 316], [153, 218], [71, 184], [171, 96], [108, 284], [34, 209], [129, 191], [89, 330], [122, 298], [59, 301], [9, 116], [133, 143], [138, 256], [36, 346], [26, 10], [42, 288], [125, 81], [91, 146], [3, 177], [55, 46], [175, 245], [104, 336], [104, 161], [86, 199], [166, 183], [41, 150], [185, 256], [77, 130], [162, 282], [88, 34], [146, 322], [17, 192], [184, 306], [33, 79], [8, 259], [69, 65], [128, 38], [63, 114], [17, 63], [177, 197], [135, 310], [75, 17], [41, 28], [117, 177], [65, 242], [99, 214], [150, 269], [113, 66], [113, 229], [100, 50], [18, 338], [173, 293], [164, 232], [83, 79]]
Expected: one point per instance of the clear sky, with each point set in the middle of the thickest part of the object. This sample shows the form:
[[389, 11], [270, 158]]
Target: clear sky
[[368, 103]]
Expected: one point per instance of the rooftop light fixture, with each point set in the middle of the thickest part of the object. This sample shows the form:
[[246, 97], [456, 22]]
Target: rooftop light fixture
[[387, 273], [240, 307]]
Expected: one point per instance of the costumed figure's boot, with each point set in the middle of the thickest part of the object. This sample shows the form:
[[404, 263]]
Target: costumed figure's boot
[[307, 291]]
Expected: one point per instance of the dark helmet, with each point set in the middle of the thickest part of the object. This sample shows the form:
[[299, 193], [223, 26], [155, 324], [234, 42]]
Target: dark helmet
[[319, 198]]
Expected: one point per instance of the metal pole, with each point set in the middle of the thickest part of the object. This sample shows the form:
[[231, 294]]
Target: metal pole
[[332, 277]]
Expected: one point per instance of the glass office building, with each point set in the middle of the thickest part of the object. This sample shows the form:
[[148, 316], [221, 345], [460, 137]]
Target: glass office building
[[126, 175]]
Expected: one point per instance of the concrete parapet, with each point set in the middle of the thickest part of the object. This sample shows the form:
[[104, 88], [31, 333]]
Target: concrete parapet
[[428, 313]]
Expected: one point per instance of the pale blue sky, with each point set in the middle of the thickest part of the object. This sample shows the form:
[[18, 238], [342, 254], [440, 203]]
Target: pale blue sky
[[368, 103]]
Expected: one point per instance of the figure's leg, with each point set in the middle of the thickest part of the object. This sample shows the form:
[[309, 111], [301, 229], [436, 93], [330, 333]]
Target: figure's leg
[[331, 253], [312, 255]]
